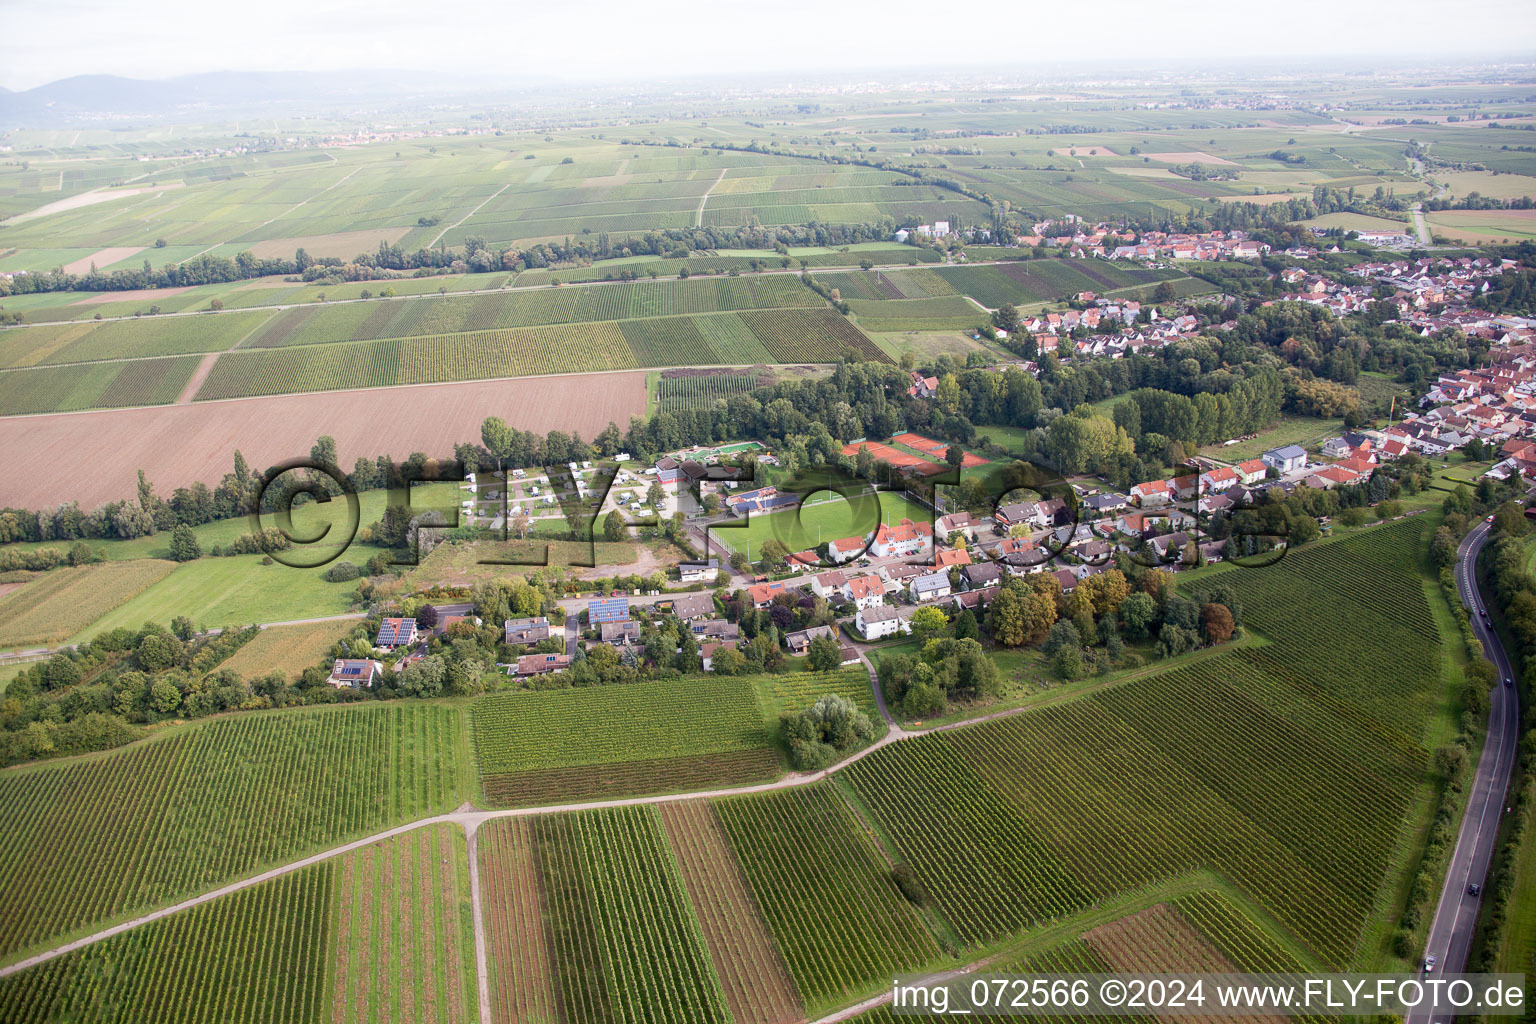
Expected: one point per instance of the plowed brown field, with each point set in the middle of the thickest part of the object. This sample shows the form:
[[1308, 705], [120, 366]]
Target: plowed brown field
[[94, 457]]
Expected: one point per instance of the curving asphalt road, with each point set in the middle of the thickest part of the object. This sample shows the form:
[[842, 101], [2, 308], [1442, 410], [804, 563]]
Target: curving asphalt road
[[1450, 934]]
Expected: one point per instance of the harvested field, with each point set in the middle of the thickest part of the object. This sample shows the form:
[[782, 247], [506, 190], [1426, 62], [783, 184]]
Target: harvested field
[[132, 295], [1155, 939], [102, 258], [287, 649], [1477, 226], [757, 986], [176, 445]]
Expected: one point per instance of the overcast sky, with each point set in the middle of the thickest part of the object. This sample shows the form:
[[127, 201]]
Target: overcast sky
[[585, 39]]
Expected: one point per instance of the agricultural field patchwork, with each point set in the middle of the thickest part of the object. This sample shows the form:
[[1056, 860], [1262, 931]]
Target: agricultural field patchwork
[[762, 336], [701, 391], [112, 385], [756, 984], [1201, 931]]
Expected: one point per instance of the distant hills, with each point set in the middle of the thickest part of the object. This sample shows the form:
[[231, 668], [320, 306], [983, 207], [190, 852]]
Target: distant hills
[[94, 97]]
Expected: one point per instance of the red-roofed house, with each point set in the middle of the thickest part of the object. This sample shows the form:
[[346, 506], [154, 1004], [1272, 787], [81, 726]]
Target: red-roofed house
[[902, 540], [762, 594], [866, 591], [952, 556], [1219, 479], [1153, 492], [1252, 471], [846, 549]]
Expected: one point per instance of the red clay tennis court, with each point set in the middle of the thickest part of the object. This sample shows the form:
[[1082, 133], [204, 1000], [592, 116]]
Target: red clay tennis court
[[928, 446], [895, 456]]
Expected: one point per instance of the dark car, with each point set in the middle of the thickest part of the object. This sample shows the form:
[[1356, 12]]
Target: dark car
[[1474, 889], [1508, 681]]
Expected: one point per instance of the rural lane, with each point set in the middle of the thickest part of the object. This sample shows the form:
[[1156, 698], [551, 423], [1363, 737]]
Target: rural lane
[[1450, 934]]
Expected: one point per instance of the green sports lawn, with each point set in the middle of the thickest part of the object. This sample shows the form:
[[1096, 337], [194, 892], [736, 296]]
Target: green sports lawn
[[829, 518]]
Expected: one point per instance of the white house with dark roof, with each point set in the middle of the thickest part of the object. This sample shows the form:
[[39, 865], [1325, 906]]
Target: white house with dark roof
[[882, 621]]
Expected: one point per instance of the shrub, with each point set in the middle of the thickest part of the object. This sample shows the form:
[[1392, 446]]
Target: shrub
[[341, 572]]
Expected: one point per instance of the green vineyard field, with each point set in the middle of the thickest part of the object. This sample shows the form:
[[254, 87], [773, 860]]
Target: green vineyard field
[[253, 957], [95, 385], [756, 336], [837, 919], [93, 839], [617, 940], [1255, 763], [675, 393]]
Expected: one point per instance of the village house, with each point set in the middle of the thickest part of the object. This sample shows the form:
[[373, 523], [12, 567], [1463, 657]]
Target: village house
[[619, 634], [1286, 459], [693, 606], [525, 632], [395, 633], [355, 672], [708, 651], [539, 664], [930, 587], [981, 575], [846, 549], [903, 540], [799, 641], [962, 523], [1023, 513], [762, 594], [951, 556], [975, 600], [1152, 492], [1219, 479], [829, 584], [699, 572], [607, 609], [1252, 471], [866, 591], [882, 621], [717, 629]]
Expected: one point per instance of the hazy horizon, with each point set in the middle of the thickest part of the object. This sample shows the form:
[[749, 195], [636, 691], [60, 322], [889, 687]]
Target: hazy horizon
[[604, 41]]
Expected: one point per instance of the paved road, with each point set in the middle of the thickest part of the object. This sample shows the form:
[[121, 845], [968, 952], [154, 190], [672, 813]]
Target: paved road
[[1450, 934]]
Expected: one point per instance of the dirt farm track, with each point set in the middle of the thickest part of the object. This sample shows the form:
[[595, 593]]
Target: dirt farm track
[[94, 457]]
